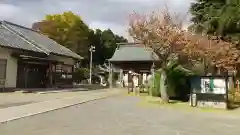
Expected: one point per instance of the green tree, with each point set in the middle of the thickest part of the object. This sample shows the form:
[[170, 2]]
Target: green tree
[[67, 29], [216, 17], [98, 55], [109, 41], [105, 42]]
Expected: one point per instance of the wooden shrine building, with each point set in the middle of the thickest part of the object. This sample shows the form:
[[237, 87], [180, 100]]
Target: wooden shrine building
[[133, 58]]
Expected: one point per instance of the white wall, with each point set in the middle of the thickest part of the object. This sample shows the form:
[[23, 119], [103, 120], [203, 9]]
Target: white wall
[[11, 72]]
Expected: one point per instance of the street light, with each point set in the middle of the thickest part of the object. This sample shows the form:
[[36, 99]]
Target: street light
[[92, 49]]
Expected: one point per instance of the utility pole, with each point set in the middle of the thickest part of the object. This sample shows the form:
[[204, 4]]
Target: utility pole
[[92, 49]]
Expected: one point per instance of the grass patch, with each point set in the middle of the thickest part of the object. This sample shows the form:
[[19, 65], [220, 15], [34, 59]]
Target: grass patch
[[156, 102]]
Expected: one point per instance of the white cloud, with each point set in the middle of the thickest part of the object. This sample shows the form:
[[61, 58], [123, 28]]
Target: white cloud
[[116, 28], [8, 10], [101, 14]]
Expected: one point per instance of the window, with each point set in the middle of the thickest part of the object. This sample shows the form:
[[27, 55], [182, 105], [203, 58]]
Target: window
[[67, 69], [64, 68], [3, 66], [59, 68]]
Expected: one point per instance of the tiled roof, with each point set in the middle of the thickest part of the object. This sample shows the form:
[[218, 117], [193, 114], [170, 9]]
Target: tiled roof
[[134, 52], [40, 41], [9, 39]]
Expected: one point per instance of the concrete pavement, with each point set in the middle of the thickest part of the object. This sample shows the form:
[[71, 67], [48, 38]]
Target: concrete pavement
[[123, 115], [19, 98], [21, 111]]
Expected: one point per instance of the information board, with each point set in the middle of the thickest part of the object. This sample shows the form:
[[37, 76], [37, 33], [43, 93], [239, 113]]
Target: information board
[[213, 85], [209, 91]]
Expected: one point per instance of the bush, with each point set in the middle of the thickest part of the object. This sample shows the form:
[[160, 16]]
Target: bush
[[81, 74], [177, 83]]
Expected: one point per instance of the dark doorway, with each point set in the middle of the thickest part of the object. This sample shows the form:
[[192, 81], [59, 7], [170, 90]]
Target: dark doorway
[[32, 75]]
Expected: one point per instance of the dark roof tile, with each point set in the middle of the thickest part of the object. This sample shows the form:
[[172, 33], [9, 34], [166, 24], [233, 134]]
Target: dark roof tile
[[42, 41], [9, 39], [134, 52]]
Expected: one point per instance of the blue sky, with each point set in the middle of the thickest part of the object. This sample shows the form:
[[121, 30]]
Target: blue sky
[[101, 14]]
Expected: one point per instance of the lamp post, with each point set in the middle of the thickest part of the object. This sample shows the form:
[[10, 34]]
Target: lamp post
[[92, 49]]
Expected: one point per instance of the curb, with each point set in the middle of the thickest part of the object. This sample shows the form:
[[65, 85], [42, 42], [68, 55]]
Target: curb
[[73, 90], [60, 91], [50, 110]]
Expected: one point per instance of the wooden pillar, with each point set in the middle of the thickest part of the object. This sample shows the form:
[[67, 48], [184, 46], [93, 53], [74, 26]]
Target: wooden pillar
[[26, 76], [51, 74], [72, 74]]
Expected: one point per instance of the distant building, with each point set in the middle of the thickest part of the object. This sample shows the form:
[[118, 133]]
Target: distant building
[[133, 58]]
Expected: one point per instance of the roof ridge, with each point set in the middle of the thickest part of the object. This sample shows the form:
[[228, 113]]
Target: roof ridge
[[19, 34], [128, 43], [24, 39], [35, 44], [4, 21], [136, 46], [34, 38]]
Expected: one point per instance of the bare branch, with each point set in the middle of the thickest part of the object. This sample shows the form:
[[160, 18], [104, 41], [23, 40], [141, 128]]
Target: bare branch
[[164, 33]]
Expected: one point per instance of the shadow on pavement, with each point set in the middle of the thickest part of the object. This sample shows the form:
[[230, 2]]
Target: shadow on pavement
[[6, 105]]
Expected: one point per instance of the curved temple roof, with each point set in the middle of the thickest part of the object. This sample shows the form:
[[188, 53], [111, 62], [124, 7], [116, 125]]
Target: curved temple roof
[[133, 52]]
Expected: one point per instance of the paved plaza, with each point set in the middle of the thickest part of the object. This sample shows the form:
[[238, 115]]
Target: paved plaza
[[18, 98], [123, 115], [47, 102]]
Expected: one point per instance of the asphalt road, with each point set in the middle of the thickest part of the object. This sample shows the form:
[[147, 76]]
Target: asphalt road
[[123, 116]]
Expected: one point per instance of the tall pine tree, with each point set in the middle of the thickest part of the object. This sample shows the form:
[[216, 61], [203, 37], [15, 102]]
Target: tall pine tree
[[217, 17]]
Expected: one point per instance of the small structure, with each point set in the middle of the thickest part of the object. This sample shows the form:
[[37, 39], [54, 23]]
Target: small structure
[[29, 59], [133, 59], [209, 91]]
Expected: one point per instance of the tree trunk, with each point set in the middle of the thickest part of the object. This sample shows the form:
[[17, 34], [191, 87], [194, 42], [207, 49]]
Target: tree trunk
[[163, 87]]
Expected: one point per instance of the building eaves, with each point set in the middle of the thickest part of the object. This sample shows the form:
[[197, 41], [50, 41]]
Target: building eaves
[[10, 39], [46, 44]]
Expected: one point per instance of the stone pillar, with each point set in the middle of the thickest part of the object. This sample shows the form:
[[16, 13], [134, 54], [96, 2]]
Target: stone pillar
[[121, 78], [110, 78], [230, 80]]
